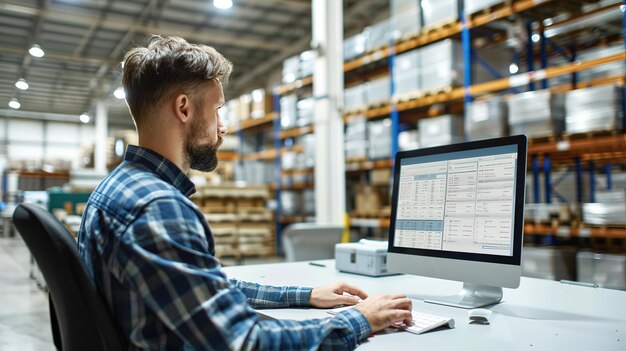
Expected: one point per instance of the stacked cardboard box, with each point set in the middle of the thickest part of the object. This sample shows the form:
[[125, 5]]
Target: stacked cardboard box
[[486, 119], [239, 219], [473, 6], [609, 208], [596, 108], [438, 12], [441, 65], [406, 73], [291, 69], [536, 113], [406, 18], [354, 47], [441, 130], [305, 109], [261, 103], [379, 136], [378, 91], [356, 138], [377, 35], [354, 98], [288, 111]]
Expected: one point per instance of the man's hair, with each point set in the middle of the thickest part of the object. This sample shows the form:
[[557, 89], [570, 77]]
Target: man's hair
[[150, 73]]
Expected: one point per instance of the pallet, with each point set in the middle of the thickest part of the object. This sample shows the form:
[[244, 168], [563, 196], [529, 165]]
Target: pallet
[[550, 138], [415, 95], [442, 25], [376, 49], [491, 9], [382, 213], [220, 217], [408, 36], [354, 160], [356, 111], [437, 91], [379, 104], [591, 134]]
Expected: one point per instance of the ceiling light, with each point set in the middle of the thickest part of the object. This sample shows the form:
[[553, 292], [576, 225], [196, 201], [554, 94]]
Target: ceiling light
[[223, 4], [21, 84], [14, 104], [119, 93], [84, 118], [535, 38], [36, 51]]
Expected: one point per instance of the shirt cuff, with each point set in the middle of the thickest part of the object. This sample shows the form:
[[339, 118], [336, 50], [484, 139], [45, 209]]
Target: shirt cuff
[[299, 296], [357, 321]]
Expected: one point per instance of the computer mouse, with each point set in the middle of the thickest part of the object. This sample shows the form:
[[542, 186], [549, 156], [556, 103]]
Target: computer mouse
[[479, 315]]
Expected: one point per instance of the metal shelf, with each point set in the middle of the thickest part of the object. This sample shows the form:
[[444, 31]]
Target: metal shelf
[[227, 155], [257, 122], [267, 155], [295, 132], [575, 232], [506, 9], [288, 88]]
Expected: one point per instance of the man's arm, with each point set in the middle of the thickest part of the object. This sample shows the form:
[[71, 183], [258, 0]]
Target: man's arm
[[164, 258], [267, 296]]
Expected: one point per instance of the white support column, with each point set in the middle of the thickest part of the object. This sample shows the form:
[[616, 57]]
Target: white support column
[[100, 150], [330, 192]]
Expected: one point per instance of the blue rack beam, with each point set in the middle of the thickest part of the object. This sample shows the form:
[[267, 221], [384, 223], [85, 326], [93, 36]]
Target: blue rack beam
[[579, 180], [544, 56], [277, 171], [547, 168], [609, 180], [530, 52], [535, 167], [592, 182], [467, 59]]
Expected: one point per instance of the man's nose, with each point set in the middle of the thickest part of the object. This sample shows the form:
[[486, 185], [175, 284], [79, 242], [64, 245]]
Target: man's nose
[[222, 130]]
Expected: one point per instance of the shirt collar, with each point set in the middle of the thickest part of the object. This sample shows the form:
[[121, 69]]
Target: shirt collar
[[162, 167]]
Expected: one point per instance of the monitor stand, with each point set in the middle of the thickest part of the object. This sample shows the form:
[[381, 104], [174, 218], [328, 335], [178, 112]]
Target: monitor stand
[[471, 296]]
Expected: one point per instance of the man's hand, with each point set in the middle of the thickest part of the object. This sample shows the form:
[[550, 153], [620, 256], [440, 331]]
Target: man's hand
[[329, 296], [382, 311]]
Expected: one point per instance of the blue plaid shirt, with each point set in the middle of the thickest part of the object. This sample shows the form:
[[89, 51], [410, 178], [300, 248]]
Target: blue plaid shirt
[[150, 252]]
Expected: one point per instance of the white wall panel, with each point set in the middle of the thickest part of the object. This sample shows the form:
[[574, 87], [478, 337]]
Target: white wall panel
[[65, 153], [21, 151], [62, 133], [87, 134], [25, 130]]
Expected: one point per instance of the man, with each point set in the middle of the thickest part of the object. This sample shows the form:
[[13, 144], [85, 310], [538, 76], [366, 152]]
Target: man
[[150, 250]]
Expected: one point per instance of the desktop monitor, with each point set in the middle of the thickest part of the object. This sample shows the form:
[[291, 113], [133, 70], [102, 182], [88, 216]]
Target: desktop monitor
[[457, 213]]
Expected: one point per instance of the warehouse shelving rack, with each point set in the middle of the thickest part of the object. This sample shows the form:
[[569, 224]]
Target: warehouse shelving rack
[[547, 153]]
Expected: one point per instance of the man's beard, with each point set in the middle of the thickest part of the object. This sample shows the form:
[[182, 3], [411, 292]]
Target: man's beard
[[201, 157]]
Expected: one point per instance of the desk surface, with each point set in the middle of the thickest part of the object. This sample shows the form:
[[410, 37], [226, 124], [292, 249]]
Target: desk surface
[[539, 315]]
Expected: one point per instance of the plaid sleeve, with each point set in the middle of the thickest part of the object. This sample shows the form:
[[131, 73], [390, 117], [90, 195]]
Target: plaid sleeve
[[164, 258], [266, 296]]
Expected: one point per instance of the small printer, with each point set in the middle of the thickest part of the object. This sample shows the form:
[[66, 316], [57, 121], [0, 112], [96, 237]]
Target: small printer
[[367, 257]]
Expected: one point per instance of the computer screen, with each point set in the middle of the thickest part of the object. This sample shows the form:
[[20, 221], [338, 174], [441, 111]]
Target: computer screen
[[457, 212]]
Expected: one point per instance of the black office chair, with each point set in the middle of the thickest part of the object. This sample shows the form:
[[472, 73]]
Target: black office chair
[[80, 319]]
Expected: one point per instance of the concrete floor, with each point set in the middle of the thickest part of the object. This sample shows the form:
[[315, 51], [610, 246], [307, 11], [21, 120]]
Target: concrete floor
[[24, 320]]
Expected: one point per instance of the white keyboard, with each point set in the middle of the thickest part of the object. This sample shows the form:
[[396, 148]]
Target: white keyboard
[[422, 322]]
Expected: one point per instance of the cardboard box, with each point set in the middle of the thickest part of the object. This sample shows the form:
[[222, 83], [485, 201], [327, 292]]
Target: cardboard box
[[262, 103]]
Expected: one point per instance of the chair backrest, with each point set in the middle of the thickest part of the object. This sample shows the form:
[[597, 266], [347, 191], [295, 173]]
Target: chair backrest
[[83, 319], [310, 241]]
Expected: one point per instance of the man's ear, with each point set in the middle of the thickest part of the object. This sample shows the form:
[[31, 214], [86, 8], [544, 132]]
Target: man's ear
[[182, 107]]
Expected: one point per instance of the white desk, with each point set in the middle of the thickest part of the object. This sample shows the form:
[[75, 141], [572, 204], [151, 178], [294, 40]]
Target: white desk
[[539, 315]]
